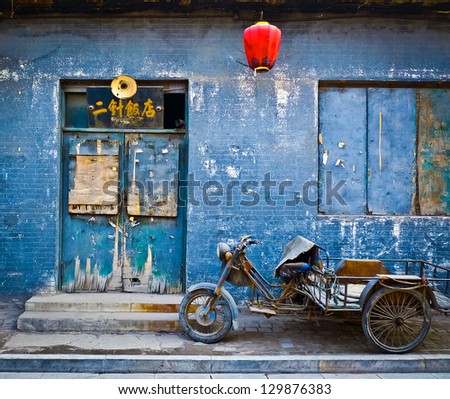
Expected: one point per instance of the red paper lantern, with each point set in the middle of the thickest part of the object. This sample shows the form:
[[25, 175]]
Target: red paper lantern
[[261, 44]]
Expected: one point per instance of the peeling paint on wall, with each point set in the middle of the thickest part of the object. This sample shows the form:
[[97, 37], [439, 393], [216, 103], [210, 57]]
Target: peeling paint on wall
[[246, 90], [5, 74], [210, 166], [233, 172], [197, 97]]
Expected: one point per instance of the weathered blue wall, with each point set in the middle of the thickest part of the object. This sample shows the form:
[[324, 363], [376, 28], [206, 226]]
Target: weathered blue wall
[[240, 128]]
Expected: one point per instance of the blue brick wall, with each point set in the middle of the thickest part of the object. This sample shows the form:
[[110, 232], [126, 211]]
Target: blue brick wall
[[240, 128]]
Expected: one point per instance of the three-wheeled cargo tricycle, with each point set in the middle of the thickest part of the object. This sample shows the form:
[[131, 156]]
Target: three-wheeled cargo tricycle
[[393, 297]]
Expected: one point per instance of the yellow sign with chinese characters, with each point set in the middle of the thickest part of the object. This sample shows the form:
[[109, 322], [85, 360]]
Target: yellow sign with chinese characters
[[144, 110]]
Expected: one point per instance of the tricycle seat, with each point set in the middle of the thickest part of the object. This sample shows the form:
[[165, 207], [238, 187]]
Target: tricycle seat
[[288, 270], [359, 268]]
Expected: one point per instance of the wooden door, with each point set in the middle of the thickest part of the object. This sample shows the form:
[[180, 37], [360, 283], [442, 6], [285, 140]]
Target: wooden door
[[123, 224]]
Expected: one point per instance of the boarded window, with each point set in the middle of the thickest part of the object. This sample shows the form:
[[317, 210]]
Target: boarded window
[[386, 148]]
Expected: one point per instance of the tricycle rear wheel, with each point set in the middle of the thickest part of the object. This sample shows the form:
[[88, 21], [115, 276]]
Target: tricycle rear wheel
[[396, 320]]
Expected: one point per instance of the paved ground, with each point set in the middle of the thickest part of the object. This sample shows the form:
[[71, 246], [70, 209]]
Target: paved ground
[[10, 309], [257, 335], [318, 339]]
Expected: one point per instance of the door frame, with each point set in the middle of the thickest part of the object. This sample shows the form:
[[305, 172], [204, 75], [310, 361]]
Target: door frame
[[78, 89]]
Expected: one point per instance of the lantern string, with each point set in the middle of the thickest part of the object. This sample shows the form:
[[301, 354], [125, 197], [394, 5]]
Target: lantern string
[[239, 62]]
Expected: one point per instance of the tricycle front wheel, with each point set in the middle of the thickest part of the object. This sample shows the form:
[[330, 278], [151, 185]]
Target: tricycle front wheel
[[200, 322], [396, 320]]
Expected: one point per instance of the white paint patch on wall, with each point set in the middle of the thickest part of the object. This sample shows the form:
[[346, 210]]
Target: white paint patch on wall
[[412, 73], [197, 97], [203, 149], [215, 106], [316, 106], [396, 230], [233, 172], [354, 236], [342, 230], [214, 90], [80, 74], [249, 153], [39, 80], [6, 74], [210, 166], [246, 93], [349, 229], [282, 94], [169, 69]]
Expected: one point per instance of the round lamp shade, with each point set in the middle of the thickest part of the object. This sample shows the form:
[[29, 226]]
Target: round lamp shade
[[261, 44]]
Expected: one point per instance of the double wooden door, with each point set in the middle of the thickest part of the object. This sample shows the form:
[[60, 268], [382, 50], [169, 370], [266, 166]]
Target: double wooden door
[[123, 221]]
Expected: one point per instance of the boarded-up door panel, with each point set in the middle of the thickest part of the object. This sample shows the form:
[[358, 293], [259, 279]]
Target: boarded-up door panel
[[154, 245], [153, 164], [391, 150], [342, 127], [434, 152], [90, 253]]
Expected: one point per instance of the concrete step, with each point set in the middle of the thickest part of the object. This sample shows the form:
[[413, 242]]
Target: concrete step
[[105, 302], [102, 312], [109, 322]]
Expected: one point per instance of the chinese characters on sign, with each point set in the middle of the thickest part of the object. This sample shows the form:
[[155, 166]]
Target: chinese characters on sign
[[143, 110], [130, 110]]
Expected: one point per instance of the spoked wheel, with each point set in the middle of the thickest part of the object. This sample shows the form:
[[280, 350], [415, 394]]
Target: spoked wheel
[[396, 320], [199, 323]]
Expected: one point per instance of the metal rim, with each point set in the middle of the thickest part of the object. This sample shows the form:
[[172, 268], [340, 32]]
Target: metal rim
[[202, 322]]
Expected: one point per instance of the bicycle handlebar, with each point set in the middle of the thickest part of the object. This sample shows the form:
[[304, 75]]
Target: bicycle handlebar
[[247, 241]]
